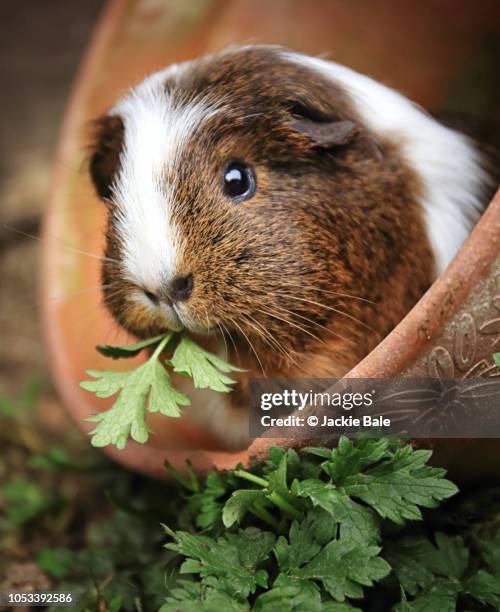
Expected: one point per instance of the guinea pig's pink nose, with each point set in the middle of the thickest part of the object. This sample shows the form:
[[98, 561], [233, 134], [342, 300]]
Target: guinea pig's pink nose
[[181, 288]]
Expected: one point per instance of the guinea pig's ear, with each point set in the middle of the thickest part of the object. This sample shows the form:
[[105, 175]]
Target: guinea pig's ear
[[105, 153], [328, 134], [322, 132], [325, 133]]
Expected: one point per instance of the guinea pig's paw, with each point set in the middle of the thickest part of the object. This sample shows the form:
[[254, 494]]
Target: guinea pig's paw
[[229, 424], [232, 428]]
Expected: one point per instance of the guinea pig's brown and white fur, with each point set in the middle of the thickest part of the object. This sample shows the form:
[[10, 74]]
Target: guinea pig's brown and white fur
[[359, 199]]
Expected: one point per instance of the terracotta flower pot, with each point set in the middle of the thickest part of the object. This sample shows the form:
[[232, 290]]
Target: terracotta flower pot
[[452, 331]]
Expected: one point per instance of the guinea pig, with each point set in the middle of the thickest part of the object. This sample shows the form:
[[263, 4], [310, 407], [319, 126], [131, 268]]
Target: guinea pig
[[285, 210]]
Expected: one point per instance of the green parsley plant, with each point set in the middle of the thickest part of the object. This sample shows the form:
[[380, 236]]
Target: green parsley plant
[[328, 529]]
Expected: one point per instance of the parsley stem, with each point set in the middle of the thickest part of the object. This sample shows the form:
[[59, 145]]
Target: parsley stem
[[273, 496], [284, 505], [189, 485], [264, 515], [251, 478], [161, 346], [192, 474]]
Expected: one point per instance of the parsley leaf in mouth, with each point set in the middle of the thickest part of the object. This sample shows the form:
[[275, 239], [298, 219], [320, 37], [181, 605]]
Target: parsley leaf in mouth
[[148, 388]]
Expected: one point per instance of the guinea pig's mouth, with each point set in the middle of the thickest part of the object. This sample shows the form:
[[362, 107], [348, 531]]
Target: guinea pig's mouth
[[173, 317], [151, 316], [155, 316], [170, 315]]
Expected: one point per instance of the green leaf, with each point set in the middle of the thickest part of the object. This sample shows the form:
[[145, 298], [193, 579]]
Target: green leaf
[[115, 605], [7, 407], [325, 453], [204, 368], [185, 592], [26, 501], [324, 528], [129, 350], [491, 550], [407, 557], [205, 504], [350, 458], [434, 574], [484, 587], [240, 503], [30, 394], [189, 596], [356, 521], [294, 466], [496, 359], [277, 485], [396, 487], [291, 594], [277, 478], [148, 386], [305, 540], [107, 382], [24, 403], [232, 559], [345, 567], [301, 546], [55, 562], [254, 545], [54, 459], [335, 606], [449, 557], [164, 398], [417, 561], [145, 388], [440, 596], [95, 562]]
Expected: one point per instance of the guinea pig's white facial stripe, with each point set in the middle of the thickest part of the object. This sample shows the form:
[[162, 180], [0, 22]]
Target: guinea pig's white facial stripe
[[446, 161], [157, 129]]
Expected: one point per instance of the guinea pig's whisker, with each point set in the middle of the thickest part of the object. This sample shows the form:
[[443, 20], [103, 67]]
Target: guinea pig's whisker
[[61, 298], [288, 355], [224, 339], [330, 331], [67, 296], [292, 324], [232, 342], [359, 321], [266, 337], [294, 297], [272, 343], [112, 294], [253, 349], [347, 295], [258, 333], [87, 289], [337, 293], [320, 325], [251, 115], [108, 297], [263, 333], [250, 345], [63, 244]]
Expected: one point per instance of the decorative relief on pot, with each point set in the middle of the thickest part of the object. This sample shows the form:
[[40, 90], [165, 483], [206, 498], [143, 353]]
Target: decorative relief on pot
[[440, 363], [467, 352], [465, 341]]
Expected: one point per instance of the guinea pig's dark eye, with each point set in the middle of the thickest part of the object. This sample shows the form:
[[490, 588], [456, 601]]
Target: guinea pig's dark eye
[[238, 181]]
